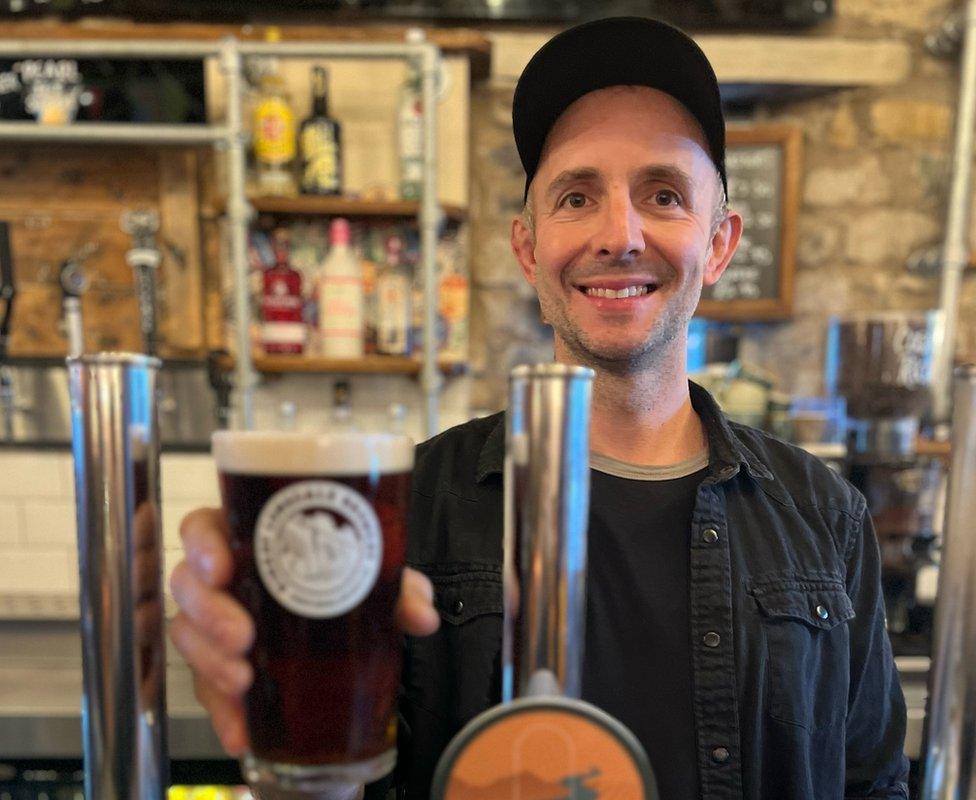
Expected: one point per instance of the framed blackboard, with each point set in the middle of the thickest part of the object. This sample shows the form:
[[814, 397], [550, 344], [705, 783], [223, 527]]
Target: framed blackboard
[[763, 164]]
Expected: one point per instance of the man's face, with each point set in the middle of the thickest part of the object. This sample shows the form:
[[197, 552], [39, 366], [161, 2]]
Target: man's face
[[624, 205]]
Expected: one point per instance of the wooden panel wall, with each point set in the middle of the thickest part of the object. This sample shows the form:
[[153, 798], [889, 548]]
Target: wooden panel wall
[[59, 199]]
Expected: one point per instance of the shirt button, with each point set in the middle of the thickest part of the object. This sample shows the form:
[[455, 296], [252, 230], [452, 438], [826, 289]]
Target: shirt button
[[710, 536], [459, 607], [720, 755], [712, 639], [822, 612]]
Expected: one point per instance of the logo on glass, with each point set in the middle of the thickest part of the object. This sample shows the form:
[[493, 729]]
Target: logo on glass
[[318, 548]]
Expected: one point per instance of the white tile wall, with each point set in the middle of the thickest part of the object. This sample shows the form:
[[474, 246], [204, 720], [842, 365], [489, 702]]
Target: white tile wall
[[34, 474], [49, 522], [11, 523], [188, 477], [38, 570], [38, 549]]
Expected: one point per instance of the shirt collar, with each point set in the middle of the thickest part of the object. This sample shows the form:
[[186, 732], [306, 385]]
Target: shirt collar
[[726, 452]]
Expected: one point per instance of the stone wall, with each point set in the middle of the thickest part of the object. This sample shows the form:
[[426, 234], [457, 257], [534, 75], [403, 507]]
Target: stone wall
[[874, 190]]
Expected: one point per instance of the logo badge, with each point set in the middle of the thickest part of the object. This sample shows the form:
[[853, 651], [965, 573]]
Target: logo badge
[[318, 548], [541, 749]]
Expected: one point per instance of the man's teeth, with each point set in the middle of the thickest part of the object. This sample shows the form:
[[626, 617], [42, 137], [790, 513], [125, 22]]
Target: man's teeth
[[630, 291]]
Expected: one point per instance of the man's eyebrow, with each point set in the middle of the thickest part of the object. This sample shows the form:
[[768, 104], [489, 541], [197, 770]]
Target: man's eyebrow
[[668, 173], [570, 176]]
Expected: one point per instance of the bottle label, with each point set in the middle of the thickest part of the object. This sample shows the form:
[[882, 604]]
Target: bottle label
[[411, 134], [341, 316], [393, 315], [320, 155], [274, 131], [454, 298], [318, 548], [283, 337]]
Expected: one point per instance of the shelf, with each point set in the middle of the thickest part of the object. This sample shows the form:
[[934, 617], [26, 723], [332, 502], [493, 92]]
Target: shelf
[[755, 68], [370, 365], [928, 447], [313, 205], [466, 42]]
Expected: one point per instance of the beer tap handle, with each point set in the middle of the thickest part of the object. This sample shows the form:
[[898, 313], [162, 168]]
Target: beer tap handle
[[221, 384], [8, 289], [144, 257], [74, 283]]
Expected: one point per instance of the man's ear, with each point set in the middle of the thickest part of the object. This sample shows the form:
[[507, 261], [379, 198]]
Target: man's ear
[[523, 246], [725, 240]]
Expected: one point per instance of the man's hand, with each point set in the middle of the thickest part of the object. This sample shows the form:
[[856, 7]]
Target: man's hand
[[214, 633]]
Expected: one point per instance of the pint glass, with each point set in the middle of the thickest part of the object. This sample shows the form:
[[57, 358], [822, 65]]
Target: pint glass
[[318, 531]]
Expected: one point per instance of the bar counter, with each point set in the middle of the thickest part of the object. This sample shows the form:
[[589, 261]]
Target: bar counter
[[40, 696]]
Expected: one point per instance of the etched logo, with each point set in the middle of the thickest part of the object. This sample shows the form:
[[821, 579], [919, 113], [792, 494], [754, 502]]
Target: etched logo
[[318, 548]]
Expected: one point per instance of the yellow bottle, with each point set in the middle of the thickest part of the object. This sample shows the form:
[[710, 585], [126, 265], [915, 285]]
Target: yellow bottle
[[274, 133]]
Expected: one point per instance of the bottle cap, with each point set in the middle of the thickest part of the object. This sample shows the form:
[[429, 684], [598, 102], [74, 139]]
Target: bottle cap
[[339, 231]]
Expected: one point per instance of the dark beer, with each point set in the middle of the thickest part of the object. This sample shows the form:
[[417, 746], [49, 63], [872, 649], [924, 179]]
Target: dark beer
[[317, 562]]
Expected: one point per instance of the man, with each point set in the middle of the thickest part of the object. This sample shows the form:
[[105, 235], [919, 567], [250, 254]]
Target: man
[[734, 618]]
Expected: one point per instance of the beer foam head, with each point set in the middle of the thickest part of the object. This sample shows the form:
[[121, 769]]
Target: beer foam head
[[291, 453]]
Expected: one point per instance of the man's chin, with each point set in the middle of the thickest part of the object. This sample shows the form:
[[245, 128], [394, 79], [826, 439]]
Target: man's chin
[[612, 356]]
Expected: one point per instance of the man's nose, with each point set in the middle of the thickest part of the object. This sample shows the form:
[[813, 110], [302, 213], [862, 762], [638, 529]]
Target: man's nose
[[621, 234]]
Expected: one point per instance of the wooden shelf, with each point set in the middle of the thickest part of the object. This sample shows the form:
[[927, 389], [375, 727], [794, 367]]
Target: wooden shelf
[[473, 44], [327, 206], [927, 447], [370, 365]]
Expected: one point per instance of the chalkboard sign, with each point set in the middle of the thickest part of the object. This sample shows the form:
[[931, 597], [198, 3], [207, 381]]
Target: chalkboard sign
[[763, 166]]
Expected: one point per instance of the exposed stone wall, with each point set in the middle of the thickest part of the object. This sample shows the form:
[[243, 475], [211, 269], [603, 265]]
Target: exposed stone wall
[[874, 190]]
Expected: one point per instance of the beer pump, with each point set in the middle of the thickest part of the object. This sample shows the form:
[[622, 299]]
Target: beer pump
[[543, 740], [8, 292], [116, 466], [950, 754]]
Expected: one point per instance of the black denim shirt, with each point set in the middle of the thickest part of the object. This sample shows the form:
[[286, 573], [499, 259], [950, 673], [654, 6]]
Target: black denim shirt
[[795, 689]]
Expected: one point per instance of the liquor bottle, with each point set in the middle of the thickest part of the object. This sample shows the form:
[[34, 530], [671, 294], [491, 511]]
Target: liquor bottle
[[320, 142], [393, 290], [410, 129], [371, 259], [274, 135], [452, 300], [341, 296], [282, 329]]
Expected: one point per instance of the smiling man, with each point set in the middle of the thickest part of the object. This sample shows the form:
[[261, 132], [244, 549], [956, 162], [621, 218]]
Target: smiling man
[[734, 614]]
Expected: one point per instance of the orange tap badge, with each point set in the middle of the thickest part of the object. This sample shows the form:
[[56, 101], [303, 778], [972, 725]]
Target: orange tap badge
[[548, 748]]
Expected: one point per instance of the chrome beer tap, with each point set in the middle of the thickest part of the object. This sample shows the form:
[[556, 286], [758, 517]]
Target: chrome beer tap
[[116, 465]]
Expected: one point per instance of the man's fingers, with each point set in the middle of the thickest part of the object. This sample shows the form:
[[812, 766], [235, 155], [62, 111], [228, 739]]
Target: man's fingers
[[226, 716], [416, 614], [213, 612], [228, 674], [205, 542]]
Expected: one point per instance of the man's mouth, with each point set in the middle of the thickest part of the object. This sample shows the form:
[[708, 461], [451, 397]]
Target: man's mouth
[[618, 292]]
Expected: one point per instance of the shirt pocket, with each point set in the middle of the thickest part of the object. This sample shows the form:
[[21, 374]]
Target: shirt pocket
[[465, 651], [807, 647]]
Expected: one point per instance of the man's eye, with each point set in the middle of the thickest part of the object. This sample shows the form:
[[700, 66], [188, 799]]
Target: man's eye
[[574, 200], [665, 197]]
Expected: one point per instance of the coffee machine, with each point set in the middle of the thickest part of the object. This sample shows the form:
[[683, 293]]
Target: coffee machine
[[881, 364]]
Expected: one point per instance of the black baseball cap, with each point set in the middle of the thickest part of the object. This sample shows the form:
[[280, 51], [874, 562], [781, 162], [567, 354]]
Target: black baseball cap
[[617, 51]]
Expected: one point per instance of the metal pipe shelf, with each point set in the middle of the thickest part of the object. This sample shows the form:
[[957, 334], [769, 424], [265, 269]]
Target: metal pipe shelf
[[231, 137], [111, 132]]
